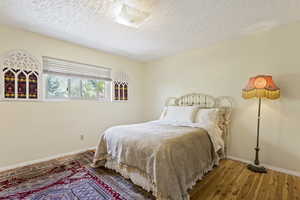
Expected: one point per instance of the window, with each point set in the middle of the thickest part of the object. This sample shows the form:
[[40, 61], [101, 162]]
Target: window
[[71, 80], [121, 91], [19, 76], [120, 86], [68, 87], [56, 86]]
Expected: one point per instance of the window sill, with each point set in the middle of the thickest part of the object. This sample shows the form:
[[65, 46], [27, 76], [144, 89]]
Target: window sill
[[76, 100], [119, 101]]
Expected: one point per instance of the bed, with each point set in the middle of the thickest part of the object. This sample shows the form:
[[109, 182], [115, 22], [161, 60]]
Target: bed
[[165, 156]]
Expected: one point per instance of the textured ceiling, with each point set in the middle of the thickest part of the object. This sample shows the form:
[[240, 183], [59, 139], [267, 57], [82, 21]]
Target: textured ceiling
[[174, 25]]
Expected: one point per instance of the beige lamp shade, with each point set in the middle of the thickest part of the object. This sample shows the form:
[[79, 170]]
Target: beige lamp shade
[[261, 86]]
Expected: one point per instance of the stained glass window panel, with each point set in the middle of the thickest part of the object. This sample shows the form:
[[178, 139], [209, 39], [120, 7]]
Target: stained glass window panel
[[116, 84], [9, 84], [121, 92], [126, 91], [22, 90], [33, 86]]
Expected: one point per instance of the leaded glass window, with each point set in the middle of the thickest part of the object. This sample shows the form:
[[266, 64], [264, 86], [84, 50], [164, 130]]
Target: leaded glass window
[[9, 84], [33, 86], [22, 90], [19, 77], [126, 91], [121, 82], [120, 91], [116, 89]]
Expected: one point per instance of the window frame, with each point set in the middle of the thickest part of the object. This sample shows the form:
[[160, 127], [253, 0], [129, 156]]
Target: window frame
[[107, 89]]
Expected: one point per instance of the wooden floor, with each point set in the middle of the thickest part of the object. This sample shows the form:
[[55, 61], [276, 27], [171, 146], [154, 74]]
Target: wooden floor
[[232, 180]]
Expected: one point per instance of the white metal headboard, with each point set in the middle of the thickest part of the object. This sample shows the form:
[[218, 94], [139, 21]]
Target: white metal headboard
[[207, 101]]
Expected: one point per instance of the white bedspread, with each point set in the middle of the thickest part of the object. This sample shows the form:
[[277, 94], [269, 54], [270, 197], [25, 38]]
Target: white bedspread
[[172, 157]]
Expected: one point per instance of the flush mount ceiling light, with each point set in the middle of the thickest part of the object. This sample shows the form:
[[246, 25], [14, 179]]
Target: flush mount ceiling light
[[126, 12], [130, 16]]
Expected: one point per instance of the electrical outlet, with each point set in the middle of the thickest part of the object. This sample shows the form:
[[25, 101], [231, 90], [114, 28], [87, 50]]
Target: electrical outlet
[[81, 137]]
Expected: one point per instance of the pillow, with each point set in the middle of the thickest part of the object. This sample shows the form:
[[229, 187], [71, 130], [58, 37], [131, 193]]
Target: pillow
[[184, 114], [215, 116], [207, 115], [221, 121]]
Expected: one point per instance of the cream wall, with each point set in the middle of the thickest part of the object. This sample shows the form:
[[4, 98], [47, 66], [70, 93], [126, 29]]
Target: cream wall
[[223, 70], [30, 131]]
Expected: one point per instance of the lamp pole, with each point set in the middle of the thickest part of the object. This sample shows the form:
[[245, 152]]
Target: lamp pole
[[256, 162], [256, 167]]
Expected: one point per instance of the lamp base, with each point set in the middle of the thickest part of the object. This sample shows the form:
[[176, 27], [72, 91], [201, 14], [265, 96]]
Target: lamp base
[[256, 168]]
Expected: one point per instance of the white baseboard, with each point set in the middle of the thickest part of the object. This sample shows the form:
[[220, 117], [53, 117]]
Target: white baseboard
[[278, 169], [23, 164]]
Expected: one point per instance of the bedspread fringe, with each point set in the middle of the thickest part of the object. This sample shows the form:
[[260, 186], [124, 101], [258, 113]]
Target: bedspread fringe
[[136, 176], [143, 180]]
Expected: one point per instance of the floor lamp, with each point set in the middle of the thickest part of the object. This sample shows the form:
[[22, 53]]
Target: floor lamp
[[260, 87]]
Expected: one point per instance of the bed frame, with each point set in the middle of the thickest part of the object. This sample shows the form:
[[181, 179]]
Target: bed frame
[[207, 101]]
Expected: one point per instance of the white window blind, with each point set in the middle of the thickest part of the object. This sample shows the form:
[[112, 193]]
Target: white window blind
[[71, 68]]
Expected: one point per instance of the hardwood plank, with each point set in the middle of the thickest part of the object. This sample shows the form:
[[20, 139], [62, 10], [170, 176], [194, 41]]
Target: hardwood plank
[[215, 184], [248, 186], [280, 184], [232, 190], [233, 181]]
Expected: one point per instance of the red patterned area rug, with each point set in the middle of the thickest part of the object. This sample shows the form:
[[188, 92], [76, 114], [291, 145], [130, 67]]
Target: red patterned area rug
[[70, 181]]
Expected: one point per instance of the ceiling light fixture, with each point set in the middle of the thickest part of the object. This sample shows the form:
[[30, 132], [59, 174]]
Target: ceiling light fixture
[[130, 16], [130, 13]]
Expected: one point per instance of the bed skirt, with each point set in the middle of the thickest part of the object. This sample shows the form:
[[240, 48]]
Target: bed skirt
[[143, 180]]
